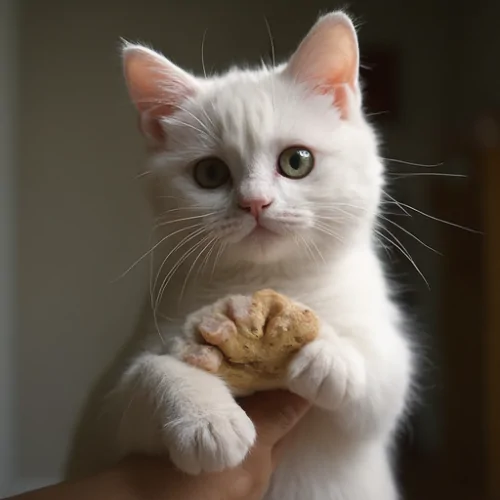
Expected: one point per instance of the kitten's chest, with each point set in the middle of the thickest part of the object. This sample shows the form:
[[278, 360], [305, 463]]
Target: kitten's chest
[[320, 293]]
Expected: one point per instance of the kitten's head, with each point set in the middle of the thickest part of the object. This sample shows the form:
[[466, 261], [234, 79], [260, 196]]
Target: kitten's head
[[273, 163]]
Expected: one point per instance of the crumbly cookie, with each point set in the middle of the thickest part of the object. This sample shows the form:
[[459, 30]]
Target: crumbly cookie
[[249, 341]]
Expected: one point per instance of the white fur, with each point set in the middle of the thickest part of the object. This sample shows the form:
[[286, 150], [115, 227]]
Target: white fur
[[320, 252]]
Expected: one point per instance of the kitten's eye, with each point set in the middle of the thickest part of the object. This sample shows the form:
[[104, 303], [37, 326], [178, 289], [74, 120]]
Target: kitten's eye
[[211, 173], [295, 162]]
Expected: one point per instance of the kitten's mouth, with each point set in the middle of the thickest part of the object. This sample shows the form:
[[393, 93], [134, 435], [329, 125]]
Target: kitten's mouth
[[260, 232]]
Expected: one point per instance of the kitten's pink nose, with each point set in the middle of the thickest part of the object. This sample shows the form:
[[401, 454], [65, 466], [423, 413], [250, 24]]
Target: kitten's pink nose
[[255, 205]]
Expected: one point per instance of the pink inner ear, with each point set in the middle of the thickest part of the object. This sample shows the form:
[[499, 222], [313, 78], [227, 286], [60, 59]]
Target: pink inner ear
[[151, 128], [340, 95], [327, 59], [156, 86], [149, 121]]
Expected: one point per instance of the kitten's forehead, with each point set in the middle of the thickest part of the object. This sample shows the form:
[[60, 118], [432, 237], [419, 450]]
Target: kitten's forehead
[[243, 107], [256, 111]]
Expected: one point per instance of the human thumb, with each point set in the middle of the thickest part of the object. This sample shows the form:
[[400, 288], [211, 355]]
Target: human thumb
[[274, 414]]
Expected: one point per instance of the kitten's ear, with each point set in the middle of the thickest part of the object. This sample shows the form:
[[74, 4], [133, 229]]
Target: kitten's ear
[[156, 86], [328, 60]]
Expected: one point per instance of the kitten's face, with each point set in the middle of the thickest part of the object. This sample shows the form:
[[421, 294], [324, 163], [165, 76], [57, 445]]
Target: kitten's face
[[266, 165], [255, 141]]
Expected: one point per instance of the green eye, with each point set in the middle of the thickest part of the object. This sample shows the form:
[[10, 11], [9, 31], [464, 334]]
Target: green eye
[[295, 163], [211, 173]]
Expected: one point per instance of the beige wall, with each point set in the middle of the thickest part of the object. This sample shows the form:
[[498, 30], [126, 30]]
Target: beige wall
[[81, 216]]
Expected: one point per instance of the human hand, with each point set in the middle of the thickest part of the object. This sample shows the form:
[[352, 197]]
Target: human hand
[[274, 414], [139, 478]]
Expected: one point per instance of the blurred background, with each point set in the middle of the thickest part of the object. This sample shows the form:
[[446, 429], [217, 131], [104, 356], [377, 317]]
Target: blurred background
[[73, 217]]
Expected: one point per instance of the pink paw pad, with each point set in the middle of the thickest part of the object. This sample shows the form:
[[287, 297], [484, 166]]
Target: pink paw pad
[[207, 358], [216, 330], [240, 308]]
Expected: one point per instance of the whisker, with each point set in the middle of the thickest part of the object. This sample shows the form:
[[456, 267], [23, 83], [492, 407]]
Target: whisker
[[271, 41], [207, 130], [399, 175], [218, 255], [178, 209], [342, 218], [152, 249], [318, 251], [188, 274], [377, 113], [334, 204], [404, 162], [143, 174], [179, 245], [315, 247], [386, 248], [173, 198], [409, 233], [203, 52], [403, 250], [327, 230], [188, 125], [207, 256], [299, 243], [300, 238], [151, 273], [330, 218], [183, 219], [432, 217], [209, 119], [174, 269], [396, 202]]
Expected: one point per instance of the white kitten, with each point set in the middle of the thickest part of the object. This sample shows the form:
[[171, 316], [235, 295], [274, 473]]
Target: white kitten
[[269, 178]]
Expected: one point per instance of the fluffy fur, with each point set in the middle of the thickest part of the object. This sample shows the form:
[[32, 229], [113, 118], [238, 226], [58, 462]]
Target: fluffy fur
[[314, 243]]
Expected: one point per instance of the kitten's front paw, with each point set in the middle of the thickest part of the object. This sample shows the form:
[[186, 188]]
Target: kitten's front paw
[[326, 374], [216, 440]]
